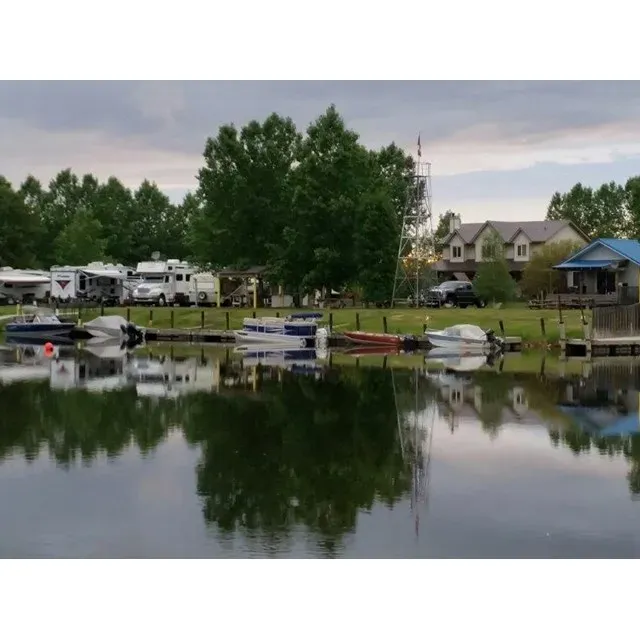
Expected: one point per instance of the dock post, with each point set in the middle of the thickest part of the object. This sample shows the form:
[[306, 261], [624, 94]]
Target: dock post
[[543, 329], [173, 319], [384, 324], [202, 319], [253, 314], [151, 317], [330, 322], [501, 325], [128, 314], [357, 321], [226, 316]]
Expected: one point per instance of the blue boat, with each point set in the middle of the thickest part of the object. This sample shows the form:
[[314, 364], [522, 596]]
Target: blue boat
[[37, 322], [302, 324]]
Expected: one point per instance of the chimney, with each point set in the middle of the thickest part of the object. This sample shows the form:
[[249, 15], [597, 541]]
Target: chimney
[[452, 222], [458, 221]]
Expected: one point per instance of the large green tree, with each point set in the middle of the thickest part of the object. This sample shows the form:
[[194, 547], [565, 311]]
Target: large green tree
[[81, 241], [539, 276], [493, 282], [601, 212], [245, 188], [19, 229]]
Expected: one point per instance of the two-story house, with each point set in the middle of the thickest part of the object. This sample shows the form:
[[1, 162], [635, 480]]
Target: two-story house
[[462, 252]]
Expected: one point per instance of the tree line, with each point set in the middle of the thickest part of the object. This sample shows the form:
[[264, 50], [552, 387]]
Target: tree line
[[317, 208], [609, 211]]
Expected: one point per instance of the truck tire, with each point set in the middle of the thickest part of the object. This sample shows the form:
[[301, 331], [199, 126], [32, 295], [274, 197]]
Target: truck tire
[[202, 296], [449, 302], [162, 301]]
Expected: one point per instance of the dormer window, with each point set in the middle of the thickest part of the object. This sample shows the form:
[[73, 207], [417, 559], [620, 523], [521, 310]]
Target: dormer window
[[521, 250], [456, 251]]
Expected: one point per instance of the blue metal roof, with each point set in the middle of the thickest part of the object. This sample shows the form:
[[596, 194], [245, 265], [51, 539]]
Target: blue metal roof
[[625, 248], [584, 264]]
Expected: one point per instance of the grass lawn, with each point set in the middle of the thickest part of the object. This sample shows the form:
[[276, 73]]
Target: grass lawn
[[518, 320]]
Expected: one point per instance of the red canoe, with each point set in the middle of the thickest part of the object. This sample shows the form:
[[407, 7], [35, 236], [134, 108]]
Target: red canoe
[[363, 337]]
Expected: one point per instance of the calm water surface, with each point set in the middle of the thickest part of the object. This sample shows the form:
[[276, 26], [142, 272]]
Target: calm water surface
[[206, 455]]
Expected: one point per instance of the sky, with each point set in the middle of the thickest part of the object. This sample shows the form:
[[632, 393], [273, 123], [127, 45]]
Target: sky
[[498, 150]]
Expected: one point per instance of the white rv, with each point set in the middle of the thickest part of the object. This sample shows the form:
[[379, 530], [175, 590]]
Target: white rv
[[204, 289], [23, 285], [163, 282], [96, 281]]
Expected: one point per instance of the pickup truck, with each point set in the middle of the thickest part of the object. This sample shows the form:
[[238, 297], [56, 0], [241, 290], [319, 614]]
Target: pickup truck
[[453, 293]]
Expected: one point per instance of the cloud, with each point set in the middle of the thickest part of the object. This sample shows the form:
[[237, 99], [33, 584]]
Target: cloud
[[157, 130]]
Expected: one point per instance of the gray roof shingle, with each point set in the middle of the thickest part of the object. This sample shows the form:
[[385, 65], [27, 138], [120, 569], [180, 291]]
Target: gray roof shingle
[[535, 230]]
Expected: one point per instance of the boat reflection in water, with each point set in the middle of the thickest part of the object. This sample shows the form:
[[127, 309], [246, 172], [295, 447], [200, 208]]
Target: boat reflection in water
[[104, 364]]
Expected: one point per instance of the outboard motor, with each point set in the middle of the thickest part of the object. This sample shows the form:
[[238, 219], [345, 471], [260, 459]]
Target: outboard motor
[[134, 336], [495, 341]]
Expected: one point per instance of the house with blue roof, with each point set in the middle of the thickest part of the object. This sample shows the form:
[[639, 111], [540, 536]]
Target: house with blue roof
[[605, 266]]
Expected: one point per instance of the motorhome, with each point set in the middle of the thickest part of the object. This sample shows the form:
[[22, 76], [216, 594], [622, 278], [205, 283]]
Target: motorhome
[[96, 281], [163, 282], [23, 285]]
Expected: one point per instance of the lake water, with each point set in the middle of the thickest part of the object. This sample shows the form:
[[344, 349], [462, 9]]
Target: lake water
[[183, 454]]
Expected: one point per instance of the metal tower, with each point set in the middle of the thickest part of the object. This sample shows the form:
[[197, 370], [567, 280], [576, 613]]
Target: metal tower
[[416, 250]]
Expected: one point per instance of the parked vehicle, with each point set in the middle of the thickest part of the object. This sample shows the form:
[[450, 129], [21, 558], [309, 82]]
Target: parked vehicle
[[109, 283], [163, 282], [454, 293]]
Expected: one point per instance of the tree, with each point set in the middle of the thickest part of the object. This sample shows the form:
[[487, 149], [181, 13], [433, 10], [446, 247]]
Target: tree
[[375, 247], [493, 282], [151, 208], [246, 192], [442, 230], [599, 213], [114, 208], [19, 229], [80, 242], [539, 276], [330, 181], [632, 199]]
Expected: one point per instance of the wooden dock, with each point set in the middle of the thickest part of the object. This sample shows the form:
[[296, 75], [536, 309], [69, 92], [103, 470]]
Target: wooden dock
[[213, 336], [615, 331]]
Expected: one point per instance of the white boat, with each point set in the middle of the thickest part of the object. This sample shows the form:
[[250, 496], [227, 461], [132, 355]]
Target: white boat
[[269, 338], [463, 336], [106, 327]]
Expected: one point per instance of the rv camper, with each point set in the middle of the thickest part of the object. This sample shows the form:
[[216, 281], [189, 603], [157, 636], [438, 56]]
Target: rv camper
[[163, 282], [204, 289], [108, 283], [23, 285]]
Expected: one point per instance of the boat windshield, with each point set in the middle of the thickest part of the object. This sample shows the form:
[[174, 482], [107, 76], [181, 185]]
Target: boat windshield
[[466, 331]]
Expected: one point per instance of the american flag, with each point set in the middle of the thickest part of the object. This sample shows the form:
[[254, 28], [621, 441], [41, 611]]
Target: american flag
[[419, 147]]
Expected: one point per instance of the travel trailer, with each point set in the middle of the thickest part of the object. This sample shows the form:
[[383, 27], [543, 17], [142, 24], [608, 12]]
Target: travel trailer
[[204, 289], [163, 282], [97, 281], [23, 285]]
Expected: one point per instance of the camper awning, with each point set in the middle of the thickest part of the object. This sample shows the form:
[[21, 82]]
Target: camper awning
[[23, 279], [581, 265], [104, 273]]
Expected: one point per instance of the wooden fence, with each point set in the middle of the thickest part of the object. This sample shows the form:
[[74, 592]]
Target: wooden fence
[[616, 322]]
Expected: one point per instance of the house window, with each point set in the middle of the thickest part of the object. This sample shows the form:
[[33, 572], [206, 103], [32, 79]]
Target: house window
[[456, 252], [179, 277], [521, 250]]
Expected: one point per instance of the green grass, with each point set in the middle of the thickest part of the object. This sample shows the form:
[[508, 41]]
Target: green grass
[[517, 320]]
